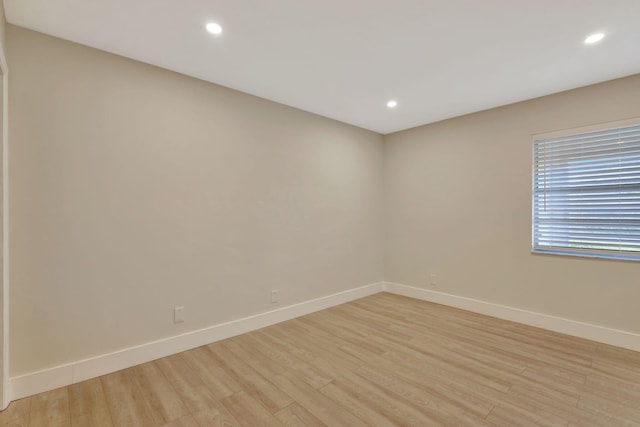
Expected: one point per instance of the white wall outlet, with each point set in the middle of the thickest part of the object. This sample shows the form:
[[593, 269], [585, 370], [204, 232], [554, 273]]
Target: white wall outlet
[[274, 296], [178, 314], [433, 279]]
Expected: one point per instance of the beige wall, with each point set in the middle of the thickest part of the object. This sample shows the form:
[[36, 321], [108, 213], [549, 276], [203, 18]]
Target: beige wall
[[458, 205], [3, 24], [135, 189]]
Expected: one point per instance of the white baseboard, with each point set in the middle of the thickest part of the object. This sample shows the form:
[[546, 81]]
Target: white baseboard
[[618, 338], [63, 375]]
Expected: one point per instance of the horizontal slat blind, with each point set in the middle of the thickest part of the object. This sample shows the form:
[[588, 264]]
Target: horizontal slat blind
[[586, 194]]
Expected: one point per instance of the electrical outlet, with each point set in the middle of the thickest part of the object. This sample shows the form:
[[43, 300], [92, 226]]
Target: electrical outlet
[[274, 296], [433, 279], [178, 314]]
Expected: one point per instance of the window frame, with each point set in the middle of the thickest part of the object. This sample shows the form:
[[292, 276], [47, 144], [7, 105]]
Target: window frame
[[567, 251]]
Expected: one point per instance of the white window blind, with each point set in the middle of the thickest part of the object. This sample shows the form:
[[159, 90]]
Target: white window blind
[[586, 194]]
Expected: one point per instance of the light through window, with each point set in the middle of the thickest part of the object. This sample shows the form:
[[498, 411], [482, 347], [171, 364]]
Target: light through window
[[586, 193]]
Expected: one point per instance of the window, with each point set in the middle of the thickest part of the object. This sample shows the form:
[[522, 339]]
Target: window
[[586, 193]]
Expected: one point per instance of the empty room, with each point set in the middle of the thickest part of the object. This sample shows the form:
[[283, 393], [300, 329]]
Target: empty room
[[320, 213]]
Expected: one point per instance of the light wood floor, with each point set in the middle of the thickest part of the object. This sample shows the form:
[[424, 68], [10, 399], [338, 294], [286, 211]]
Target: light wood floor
[[384, 360]]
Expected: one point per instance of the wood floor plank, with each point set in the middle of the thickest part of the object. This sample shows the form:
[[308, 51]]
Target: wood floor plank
[[186, 421], [468, 395], [383, 360], [388, 404], [606, 419], [88, 405], [17, 414], [159, 394], [50, 409], [278, 360], [323, 355], [621, 410], [195, 395], [360, 409], [250, 380], [242, 348], [439, 407], [126, 402], [215, 415], [513, 416], [248, 411], [317, 403], [295, 415], [565, 409], [214, 376]]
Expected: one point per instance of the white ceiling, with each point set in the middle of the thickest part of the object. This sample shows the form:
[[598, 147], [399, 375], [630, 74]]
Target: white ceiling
[[345, 58]]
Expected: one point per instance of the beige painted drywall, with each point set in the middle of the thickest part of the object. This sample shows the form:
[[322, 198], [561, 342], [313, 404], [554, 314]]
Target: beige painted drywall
[[3, 24], [458, 206], [136, 189]]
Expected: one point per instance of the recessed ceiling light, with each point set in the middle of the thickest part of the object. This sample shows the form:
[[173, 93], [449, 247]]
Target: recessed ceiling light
[[392, 104], [594, 38], [214, 28]]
